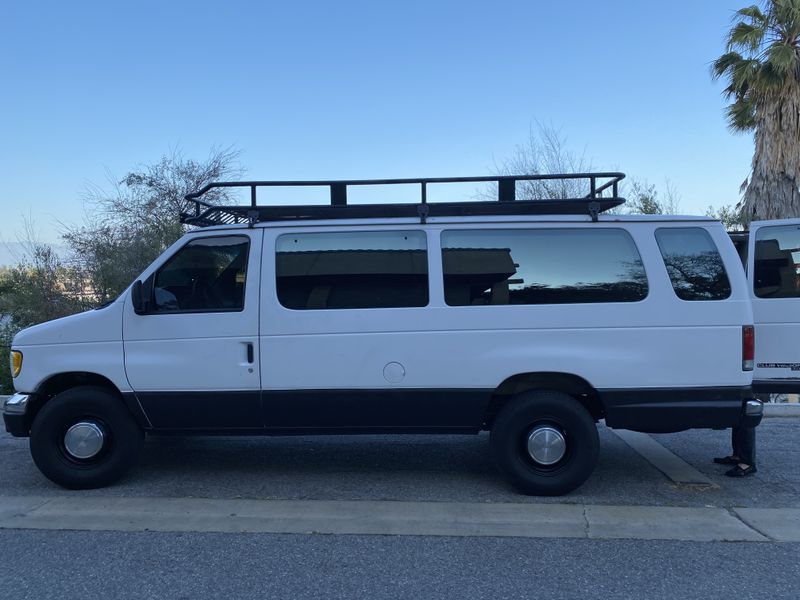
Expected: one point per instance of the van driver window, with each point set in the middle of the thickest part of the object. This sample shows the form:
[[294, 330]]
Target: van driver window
[[207, 274]]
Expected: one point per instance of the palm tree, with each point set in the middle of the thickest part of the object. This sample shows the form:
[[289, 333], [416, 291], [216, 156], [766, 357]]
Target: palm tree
[[762, 68]]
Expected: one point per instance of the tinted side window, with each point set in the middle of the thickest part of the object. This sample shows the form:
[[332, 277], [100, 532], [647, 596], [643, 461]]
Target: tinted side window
[[693, 263], [207, 274], [777, 262], [373, 269], [541, 266]]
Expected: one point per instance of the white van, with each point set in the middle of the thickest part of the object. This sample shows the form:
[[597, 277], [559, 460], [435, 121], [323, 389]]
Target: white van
[[532, 319]]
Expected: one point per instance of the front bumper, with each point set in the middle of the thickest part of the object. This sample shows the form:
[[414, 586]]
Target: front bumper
[[15, 415]]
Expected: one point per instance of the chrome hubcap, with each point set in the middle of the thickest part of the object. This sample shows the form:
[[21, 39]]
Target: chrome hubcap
[[84, 440], [546, 445]]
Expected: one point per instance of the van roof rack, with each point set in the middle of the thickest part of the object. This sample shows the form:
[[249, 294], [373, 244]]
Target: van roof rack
[[206, 214]]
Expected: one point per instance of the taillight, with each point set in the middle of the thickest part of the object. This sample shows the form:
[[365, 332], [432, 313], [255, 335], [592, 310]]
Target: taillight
[[748, 347]]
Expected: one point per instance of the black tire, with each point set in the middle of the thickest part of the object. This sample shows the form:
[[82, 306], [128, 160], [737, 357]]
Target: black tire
[[536, 409], [122, 440]]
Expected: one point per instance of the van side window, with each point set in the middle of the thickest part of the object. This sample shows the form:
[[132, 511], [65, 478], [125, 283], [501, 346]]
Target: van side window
[[693, 263], [541, 266], [776, 272], [206, 275], [370, 269]]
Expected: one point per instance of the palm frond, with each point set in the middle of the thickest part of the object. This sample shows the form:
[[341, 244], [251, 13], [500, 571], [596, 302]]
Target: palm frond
[[769, 78], [744, 74], [782, 59], [746, 36], [753, 13], [742, 114], [725, 63], [784, 14], [761, 59], [785, 17]]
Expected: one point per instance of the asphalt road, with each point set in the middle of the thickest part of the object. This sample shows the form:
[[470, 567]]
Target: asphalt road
[[105, 565]]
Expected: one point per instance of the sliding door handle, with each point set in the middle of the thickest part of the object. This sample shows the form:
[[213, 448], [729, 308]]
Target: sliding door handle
[[250, 353]]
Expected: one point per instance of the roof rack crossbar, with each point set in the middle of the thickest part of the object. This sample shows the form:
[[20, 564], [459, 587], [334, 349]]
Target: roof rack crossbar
[[506, 202]]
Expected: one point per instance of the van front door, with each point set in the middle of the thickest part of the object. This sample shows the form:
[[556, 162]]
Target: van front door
[[192, 358], [773, 268]]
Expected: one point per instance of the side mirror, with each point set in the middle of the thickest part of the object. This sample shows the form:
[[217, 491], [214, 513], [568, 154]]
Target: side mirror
[[138, 298]]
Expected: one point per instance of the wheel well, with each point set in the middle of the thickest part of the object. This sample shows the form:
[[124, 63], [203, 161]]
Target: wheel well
[[575, 386], [64, 381]]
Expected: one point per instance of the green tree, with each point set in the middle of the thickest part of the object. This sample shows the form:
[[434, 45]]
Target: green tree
[[643, 198], [139, 218], [730, 216], [40, 288], [126, 230], [761, 66]]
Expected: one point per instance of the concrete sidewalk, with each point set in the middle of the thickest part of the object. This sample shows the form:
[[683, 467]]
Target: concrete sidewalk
[[400, 518]]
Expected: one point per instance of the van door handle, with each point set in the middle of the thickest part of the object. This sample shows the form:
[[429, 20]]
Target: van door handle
[[250, 356]]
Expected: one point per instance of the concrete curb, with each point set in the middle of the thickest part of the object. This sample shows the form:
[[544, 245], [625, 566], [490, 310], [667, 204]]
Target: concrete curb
[[366, 517]]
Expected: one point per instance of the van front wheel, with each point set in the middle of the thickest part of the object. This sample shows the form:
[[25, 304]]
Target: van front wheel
[[85, 438], [545, 443]]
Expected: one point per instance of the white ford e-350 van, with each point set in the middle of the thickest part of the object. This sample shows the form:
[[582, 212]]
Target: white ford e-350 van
[[532, 319]]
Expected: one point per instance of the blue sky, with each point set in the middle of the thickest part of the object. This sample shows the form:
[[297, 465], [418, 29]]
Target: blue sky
[[313, 90]]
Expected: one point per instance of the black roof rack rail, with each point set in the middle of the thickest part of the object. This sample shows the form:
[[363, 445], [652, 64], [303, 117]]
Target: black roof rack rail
[[594, 202]]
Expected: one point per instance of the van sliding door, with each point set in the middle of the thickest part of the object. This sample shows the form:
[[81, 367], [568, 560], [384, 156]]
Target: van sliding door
[[774, 275]]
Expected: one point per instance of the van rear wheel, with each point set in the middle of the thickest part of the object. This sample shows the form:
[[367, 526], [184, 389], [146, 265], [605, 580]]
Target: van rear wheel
[[545, 443], [85, 438]]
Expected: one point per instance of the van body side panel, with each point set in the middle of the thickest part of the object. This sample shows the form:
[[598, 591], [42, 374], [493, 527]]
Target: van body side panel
[[89, 342], [661, 343], [377, 409]]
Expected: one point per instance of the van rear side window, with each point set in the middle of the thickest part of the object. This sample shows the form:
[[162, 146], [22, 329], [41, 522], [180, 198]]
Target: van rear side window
[[777, 262], [368, 269], [693, 262], [541, 266]]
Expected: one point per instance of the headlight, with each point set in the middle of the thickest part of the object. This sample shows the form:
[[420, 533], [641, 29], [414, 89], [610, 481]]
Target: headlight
[[16, 362]]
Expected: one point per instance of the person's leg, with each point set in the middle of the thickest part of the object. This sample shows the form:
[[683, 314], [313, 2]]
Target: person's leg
[[733, 459], [735, 433], [744, 443]]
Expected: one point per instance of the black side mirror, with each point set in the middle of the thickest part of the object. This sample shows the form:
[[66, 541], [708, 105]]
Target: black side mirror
[[138, 298]]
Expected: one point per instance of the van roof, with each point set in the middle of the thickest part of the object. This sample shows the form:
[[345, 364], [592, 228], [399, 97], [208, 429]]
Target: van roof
[[605, 218]]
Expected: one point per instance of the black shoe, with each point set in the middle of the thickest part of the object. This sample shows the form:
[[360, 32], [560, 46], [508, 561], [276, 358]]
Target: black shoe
[[727, 460], [738, 471]]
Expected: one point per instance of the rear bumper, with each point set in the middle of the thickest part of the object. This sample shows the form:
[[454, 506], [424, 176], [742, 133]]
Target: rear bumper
[[776, 386], [753, 413], [677, 409]]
